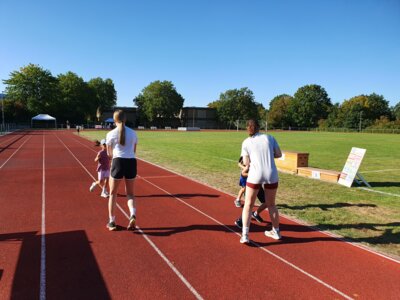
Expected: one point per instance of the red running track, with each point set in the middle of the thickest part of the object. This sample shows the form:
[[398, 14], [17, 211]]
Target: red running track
[[54, 244]]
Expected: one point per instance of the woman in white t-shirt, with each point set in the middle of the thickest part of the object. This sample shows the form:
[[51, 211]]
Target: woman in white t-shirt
[[259, 151], [121, 147]]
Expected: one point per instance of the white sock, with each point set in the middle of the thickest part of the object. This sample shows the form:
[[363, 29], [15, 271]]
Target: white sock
[[132, 211], [245, 230], [276, 229], [104, 189], [112, 219]]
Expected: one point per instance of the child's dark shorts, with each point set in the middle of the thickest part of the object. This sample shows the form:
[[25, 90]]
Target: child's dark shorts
[[242, 181]]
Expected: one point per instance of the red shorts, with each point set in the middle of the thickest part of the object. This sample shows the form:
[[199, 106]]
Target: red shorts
[[267, 186]]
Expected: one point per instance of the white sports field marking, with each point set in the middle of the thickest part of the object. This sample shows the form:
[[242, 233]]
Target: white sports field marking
[[254, 243], [344, 240], [166, 176], [283, 215], [15, 152], [2, 142], [378, 171], [181, 277], [379, 192], [43, 232], [159, 252]]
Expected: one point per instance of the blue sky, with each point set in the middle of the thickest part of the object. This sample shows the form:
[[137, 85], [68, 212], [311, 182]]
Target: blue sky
[[207, 47]]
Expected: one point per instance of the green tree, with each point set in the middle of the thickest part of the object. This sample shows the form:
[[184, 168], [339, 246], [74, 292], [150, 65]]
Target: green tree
[[363, 110], [279, 111], [310, 104], [334, 119], [236, 104], [33, 88], [396, 111], [75, 102], [159, 102], [104, 93]]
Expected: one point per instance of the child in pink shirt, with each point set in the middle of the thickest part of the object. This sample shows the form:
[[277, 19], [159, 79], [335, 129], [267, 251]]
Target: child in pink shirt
[[103, 170]]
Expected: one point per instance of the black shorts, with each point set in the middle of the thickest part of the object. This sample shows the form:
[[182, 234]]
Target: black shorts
[[123, 168]]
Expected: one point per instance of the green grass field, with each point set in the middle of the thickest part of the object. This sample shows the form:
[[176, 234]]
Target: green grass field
[[363, 216]]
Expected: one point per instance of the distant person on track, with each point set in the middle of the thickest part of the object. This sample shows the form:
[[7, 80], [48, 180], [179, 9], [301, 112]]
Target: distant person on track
[[103, 170], [260, 195], [78, 128], [259, 151], [121, 147]]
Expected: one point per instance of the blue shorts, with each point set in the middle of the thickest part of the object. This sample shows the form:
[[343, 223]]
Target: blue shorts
[[242, 181]]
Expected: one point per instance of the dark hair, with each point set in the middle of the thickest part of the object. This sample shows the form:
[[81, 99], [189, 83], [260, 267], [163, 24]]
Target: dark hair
[[119, 117], [253, 122]]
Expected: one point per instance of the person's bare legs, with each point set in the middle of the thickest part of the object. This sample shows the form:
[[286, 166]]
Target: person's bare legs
[[270, 195], [114, 184], [262, 207], [130, 189], [250, 198]]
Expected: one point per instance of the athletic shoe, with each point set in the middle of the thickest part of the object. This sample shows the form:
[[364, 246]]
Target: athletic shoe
[[244, 239], [276, 235], [132, 221], [92, 187], [239, 223], [111, 226], [237, 203], [257, 217], [104, 194]]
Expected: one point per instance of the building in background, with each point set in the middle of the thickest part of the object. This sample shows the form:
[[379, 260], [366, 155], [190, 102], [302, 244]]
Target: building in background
[[202, 117], [130, 112]]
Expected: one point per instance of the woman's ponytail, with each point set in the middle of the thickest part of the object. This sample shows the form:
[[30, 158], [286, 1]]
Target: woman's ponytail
[[119, 117]]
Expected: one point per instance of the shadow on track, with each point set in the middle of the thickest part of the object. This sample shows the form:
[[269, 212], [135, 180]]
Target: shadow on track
[[71, 268]]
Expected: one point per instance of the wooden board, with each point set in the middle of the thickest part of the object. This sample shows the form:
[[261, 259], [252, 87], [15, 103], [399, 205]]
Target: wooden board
[[321, 174], [291, 160]]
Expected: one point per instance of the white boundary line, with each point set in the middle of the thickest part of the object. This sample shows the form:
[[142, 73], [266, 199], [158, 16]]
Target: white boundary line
[[378, 171], [330, 234], [15, 152], [289, 218], [159, 252], [379, 192], [260, 247], [2, 142], [43, 231], [254, 243]]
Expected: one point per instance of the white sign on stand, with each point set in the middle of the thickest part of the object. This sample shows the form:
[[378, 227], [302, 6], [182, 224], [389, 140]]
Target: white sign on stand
[[350, 170]]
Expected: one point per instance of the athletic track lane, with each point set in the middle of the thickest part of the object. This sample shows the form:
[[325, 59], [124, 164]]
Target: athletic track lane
[[189, 223]]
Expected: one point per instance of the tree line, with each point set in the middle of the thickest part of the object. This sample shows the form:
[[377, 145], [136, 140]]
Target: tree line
[[311, 107], [33, 90]]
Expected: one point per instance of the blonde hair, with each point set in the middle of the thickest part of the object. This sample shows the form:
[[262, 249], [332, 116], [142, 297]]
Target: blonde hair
[[120, 117]]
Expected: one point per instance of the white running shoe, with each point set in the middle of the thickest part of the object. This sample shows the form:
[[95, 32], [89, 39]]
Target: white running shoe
[[244, 239], [92, 187], [276, 235], [104, 195], [237, 203]]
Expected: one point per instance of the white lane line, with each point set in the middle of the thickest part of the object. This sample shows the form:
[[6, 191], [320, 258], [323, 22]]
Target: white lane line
[[378, 171], [15, 152], [43, 232], [379, 192], [159, 252], [2, 142], [254, 243], [286, 217]]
